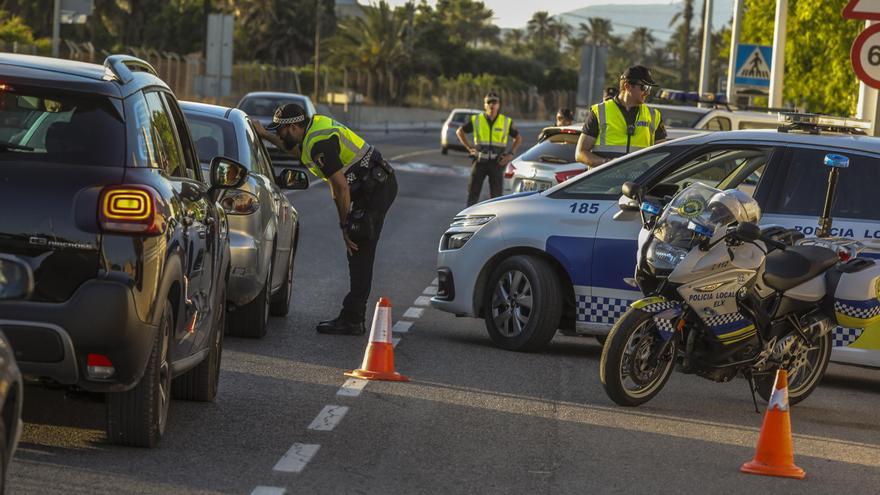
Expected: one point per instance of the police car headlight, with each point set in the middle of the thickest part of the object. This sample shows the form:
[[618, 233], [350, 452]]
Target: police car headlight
[[663, 256], [471, 220], [456, 241]]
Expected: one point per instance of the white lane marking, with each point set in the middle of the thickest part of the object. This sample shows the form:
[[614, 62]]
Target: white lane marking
[[422, 301], [268, 490], [395, 340], [414, 313], [430, 290], [402, 326], [295, 459], [316, 181], [434, 282], [408, 155], [328, 418], [352, 387]]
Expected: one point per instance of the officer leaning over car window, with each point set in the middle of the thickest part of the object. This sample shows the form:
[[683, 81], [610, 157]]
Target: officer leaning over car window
[[491, 132], [362, 185], [621, 124]]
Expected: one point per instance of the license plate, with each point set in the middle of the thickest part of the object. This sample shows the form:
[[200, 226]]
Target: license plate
[[533, 185]]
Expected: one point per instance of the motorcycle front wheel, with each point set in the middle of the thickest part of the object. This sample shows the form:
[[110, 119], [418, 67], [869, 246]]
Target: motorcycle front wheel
[[806, 367], [636, 362]]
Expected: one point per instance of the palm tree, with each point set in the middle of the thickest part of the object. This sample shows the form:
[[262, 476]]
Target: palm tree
[[681, 41], [597, 31], [641, 40], [560, 30], [539, 26], [514, 40]]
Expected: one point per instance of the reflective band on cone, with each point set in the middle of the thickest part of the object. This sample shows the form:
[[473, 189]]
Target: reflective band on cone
[[378, 361]]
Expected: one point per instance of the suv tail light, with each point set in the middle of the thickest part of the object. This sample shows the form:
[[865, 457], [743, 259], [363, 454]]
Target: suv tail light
[[237, 202], [509, 171], [568, 174], [130, 210], [99, 366]]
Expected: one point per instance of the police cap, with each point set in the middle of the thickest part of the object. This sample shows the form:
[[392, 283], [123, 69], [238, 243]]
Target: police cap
[[287, 114]]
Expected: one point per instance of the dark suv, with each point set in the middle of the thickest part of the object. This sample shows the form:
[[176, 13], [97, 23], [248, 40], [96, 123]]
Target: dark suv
[[102, 194]]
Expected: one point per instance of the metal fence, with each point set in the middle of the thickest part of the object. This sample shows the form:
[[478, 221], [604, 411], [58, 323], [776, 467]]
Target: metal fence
[[337, 86]]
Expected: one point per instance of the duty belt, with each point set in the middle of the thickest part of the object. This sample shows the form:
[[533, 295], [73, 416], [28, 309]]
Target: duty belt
[[488, 156]]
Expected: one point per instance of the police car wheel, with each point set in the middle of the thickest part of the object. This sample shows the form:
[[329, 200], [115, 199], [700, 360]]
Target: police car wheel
[[522, 303]]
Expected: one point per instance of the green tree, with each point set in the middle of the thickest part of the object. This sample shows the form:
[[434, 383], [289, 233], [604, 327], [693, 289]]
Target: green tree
[[539, 27], [597, 31], [466, 22], [280, 31], [514, 40], [14, 30], [681, 44], [818, 74], [641, 41]]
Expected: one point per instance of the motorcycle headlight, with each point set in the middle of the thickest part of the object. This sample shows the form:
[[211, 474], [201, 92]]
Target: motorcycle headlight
[[456, 241], [663, 256], [471, 220]]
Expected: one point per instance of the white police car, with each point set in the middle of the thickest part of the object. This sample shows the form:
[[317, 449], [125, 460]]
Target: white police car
[[532, 263]]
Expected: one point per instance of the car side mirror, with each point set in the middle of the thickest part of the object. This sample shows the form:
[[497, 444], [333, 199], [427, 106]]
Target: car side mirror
[[627, 204], [747, 231], [633, 190], [16, 278], [293, 179], [227, 173]]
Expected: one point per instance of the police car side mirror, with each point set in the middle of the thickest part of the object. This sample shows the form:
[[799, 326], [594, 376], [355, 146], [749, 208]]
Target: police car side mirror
[[627, 204], [293, 179], [16, 278]]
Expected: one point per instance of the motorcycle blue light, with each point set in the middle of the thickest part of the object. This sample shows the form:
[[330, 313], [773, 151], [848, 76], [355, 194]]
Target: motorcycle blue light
[[699, 229], [650, 208], [836, 161]]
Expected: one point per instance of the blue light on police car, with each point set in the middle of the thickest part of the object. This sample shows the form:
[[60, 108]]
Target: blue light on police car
[[700, 229], [650, 208], [836, 161]]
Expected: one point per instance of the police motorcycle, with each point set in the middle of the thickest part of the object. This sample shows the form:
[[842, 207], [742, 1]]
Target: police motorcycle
[[725, 297]]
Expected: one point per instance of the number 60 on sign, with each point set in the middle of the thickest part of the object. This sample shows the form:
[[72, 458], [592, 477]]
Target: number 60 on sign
[[865, 56]]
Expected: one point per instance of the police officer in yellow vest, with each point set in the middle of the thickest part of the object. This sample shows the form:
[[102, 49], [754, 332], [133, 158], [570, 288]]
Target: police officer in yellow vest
[[362, 185], [491, 132], [621, 124]]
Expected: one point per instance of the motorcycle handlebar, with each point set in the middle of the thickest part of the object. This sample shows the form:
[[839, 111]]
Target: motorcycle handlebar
[[774, 243]]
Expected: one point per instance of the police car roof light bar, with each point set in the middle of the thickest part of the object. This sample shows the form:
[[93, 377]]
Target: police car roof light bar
[[815, 123]]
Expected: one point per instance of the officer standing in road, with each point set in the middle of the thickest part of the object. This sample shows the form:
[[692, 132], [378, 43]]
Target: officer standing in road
[[491, 131], [362, 185], [621, 124]]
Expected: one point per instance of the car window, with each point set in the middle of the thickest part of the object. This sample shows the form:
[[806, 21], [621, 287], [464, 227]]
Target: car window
[[802, 184], [729, 167], [673, 117], [190, 158], [165, 152], [259, 162], [461, 117], [718, 124], [212, 136], [559, 148], [264, 106], [60, 128], [608, 179], [752, 124]]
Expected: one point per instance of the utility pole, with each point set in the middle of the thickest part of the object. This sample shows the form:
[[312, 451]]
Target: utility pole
[[317, 49], [706, 62], [56, 29], [777, 69], [734, 42]]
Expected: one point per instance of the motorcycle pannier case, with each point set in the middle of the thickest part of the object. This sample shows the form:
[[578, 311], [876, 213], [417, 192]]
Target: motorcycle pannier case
[[856, 293]]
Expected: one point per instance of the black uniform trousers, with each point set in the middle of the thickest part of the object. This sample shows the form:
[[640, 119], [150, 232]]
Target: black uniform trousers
[[360, 262], [479, 171]]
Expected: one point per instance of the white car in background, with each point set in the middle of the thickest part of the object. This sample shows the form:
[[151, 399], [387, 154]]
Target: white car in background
[[261, 105], [457, 118], [546, 164], [681, 120], [531, 263]]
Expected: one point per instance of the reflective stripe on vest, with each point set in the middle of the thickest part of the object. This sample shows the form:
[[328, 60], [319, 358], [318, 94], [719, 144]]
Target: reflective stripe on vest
[[352, 147], [612, 128], [496, 137]]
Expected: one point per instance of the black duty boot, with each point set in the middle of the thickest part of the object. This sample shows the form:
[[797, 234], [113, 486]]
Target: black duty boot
[[339, 326]]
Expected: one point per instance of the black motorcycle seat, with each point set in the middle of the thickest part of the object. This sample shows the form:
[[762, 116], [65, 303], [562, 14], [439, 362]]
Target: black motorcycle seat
[[797, 264]]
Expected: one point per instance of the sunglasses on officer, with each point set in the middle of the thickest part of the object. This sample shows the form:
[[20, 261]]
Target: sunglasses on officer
[[492, 101], [644, 87]]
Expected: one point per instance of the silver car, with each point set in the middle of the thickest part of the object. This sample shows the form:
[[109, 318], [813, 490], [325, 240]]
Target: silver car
[[263, 225], [457, 118], [550, 162], [261, 105]]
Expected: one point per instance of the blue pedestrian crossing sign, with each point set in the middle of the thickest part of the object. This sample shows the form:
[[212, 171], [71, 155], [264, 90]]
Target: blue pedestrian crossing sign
[[753, 65]]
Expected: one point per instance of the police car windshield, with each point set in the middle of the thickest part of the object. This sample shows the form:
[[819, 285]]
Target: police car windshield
[[557, 149], [264, 106], [682, 118]]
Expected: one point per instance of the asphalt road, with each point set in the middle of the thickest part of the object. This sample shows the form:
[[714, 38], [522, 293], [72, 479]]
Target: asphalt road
[[474, 418]]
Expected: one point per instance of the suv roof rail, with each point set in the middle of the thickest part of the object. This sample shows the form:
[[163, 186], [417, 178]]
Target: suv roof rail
[[814, 123], [122, 67]]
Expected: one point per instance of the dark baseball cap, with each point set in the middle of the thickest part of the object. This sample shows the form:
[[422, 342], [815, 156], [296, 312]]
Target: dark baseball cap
[[638, 74], [291, 113], [491, 96]]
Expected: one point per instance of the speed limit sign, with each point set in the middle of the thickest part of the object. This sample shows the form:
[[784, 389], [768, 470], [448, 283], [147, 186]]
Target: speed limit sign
[[865, 56]]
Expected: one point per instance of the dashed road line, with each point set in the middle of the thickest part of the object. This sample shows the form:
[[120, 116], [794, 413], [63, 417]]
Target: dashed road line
[[328, 418], [422, 301], [412, 154], [434, 282], [268, 490], [431, 290], [414, 313], [296, 458], [352, 387], [402, 326]]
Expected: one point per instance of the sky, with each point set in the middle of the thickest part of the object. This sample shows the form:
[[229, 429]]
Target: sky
[[515, 13]]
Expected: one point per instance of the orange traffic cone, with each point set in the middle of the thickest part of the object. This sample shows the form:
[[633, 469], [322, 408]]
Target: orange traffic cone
[[379, 359], [774, 455]]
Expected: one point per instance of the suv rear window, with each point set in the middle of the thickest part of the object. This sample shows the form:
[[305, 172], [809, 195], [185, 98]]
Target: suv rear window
[[262, 106], [60, 128], [801, 186], [559, 148]]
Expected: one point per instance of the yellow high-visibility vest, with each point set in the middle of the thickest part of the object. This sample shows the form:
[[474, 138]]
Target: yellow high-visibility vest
[[352, 147], [496, 137], [612, 128]]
